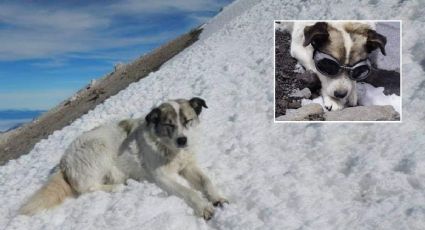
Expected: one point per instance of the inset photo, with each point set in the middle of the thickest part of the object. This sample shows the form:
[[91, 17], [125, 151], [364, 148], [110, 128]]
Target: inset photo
[[344, 71]]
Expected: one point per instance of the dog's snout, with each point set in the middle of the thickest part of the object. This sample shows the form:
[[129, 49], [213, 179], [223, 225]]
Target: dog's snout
[[340, 93], [182, 141]]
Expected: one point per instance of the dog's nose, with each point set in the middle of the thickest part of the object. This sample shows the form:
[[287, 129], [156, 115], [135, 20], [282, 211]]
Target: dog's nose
[[181, 141], [340, 93]]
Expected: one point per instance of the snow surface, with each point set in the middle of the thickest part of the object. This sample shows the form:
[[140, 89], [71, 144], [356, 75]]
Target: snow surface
[[277, 176], [370, 95]]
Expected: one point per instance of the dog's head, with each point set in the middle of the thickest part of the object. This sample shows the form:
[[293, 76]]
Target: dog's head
[[172, 121], [348, 46]]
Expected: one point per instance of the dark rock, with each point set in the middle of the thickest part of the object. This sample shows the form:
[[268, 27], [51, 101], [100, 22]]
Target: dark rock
[[305, 113], [286, 80], [388, 79], [310, 80], [304, 93], [295, 104]]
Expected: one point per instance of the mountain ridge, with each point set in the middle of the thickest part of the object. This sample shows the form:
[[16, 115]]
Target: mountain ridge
[[21, 140]]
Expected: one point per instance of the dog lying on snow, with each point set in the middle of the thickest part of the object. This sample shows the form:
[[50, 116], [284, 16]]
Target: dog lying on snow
[[339, 53], [154, 148]]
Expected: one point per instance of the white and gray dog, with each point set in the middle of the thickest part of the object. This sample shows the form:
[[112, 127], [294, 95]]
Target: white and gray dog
[[339, 53], [155, 148]]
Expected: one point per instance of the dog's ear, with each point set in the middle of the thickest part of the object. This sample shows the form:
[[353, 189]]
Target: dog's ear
[[153, 116], [126, 125], [197, 103], [374, 41], [316, 34]]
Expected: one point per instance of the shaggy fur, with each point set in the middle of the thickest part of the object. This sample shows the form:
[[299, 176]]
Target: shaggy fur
[[154, 148], [50, 195]]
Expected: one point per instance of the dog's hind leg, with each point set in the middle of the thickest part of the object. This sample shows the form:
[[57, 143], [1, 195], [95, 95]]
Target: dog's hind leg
[[115, 180], [110, 182], [198, 180], [110, 187], [115, 176]]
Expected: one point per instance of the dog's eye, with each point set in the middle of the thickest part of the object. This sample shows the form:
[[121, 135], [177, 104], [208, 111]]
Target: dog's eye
[[169, 125], [188, 122]]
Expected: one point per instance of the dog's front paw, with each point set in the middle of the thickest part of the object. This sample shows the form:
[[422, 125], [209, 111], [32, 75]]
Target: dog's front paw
[[118, 188], [332, 104], [207, 211], [219, 202]]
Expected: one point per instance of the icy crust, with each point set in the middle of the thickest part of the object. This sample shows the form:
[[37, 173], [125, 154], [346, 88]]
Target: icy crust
[[292, 176]]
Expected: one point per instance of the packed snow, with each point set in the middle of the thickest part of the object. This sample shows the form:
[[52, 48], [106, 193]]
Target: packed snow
[[276, 176]]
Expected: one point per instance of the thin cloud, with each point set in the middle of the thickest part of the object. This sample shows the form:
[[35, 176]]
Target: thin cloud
[[29, 16], [58, 46], [158, 6], [33, 99], [42, 31]]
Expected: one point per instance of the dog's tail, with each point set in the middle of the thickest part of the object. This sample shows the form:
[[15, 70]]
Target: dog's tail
[[50, 195]]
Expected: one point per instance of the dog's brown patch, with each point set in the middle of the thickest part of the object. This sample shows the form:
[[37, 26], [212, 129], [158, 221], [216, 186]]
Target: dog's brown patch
[[358, 50], [335, 46], [186, 112], [357, 28], [358, 33]]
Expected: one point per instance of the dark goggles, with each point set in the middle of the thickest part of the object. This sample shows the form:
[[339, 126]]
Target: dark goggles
[[329, 66]]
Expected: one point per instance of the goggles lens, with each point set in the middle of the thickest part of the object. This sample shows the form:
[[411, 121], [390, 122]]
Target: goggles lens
[[329, 66]]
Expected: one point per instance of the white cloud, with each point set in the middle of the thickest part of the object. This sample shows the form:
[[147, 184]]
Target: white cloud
[[33, 99], [50, 63], [156, 6], [29, 17], [8, 124], [34, 32]]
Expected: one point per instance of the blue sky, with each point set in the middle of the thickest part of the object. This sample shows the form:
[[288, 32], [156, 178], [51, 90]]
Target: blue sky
[[50, 49]]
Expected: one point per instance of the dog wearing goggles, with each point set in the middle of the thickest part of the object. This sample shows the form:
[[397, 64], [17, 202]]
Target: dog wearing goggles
[[339, 53]]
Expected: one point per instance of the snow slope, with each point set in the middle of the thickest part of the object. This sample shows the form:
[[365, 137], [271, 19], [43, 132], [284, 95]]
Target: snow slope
[[277, 176]]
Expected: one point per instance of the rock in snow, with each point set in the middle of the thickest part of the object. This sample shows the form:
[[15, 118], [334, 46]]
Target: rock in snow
[[276, 176], [314, 111], [304, 93], [364, 113]]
